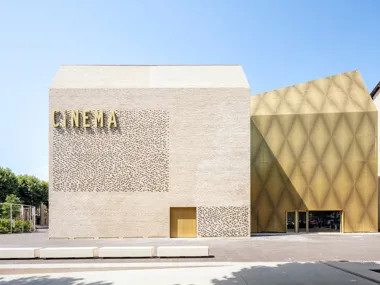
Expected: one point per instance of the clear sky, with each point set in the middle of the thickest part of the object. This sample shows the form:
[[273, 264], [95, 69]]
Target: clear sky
[[278, 43]]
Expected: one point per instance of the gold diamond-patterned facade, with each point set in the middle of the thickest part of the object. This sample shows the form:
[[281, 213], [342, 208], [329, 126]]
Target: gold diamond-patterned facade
[[314, 148]]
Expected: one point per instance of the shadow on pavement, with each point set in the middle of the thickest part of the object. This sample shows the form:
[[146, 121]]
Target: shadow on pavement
[[50, 280], [293, 274], [310, 273]]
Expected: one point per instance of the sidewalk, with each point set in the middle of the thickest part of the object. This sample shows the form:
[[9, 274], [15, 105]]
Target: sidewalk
[[304, 247]]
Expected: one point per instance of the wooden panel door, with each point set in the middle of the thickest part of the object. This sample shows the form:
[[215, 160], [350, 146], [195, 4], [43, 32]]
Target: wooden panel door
[[183, 222]]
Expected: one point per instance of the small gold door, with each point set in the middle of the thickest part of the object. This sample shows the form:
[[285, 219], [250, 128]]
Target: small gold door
[[183, 222]]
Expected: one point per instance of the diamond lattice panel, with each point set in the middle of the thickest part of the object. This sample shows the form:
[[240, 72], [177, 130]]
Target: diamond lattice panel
[[325, 173], [344, 92], [314, 147]]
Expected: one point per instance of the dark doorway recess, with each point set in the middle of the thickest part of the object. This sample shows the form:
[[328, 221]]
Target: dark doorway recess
[[325, 221]]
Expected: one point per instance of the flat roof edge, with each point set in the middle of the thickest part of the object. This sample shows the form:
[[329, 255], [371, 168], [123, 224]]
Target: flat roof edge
[[150, 76], [120, 88], [216, 64]]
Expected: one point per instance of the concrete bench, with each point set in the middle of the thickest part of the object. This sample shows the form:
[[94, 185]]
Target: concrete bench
[[26, 252], [145, 251], [68, 252], [182, 251]]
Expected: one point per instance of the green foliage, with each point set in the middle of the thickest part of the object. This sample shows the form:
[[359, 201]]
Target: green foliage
[[45, 193], [31, 190], [17, 227], [22, 189], [8, 183], [6, 208], [5, 226], [27, 226]]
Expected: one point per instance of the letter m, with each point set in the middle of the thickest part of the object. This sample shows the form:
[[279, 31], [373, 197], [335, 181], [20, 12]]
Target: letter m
[[99, 118]]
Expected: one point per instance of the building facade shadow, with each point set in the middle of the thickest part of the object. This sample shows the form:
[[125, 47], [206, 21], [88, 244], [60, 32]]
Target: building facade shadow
[[297, 274]]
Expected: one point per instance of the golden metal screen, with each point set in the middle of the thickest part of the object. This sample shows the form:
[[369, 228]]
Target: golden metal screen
[[314, 147]]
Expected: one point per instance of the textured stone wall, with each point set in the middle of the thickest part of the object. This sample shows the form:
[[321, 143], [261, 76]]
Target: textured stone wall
[[94, 159], [182, 147], [223, 221]]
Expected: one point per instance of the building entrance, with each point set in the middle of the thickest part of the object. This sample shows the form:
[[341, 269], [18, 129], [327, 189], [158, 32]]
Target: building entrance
[[325, 221], [183, 222], [302, 222], [314, 221], [290, 222]]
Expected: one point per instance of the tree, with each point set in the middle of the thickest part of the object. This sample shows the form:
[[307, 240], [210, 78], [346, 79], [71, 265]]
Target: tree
[[30, 190], [8, 183], [6, 208], [45, 193]]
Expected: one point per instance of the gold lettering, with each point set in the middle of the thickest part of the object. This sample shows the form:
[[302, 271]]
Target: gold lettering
[[64, 119], [75, 118], [112, 120], [98, 118], [55, 124], [85, 118]]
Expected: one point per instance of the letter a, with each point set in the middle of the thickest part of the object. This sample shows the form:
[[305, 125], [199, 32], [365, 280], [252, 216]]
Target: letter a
[[112, 120]]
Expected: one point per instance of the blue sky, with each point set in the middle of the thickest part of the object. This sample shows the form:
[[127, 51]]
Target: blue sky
[[278, 43]]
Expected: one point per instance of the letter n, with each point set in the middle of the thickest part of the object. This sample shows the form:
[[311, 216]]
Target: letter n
[[75, 118]]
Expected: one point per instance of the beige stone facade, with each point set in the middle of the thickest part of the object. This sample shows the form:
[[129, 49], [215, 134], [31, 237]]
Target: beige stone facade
[[182, 140]]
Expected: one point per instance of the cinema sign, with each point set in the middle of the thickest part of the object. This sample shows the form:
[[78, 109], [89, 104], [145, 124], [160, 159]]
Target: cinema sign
[[83, 119]]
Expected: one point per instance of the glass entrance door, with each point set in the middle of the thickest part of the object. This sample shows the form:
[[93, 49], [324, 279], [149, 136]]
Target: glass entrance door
[[290, 222], [302, 222]]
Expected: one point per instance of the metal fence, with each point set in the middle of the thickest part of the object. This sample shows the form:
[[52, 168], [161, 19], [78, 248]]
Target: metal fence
[[17, 218]]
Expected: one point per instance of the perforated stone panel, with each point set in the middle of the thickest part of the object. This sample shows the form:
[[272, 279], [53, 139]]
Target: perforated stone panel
[[223, 221], [134, 157]]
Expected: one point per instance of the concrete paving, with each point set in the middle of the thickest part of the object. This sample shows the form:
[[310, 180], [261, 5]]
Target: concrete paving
[[313, 259], [367, 270], [240, 274], [303, 247]]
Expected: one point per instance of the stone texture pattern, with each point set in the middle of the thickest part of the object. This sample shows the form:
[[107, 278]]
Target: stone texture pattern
[[223, 221], [208, 145], [314, 147], [94, 159]]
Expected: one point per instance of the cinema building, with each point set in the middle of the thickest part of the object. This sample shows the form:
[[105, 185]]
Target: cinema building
[[186, 151]]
